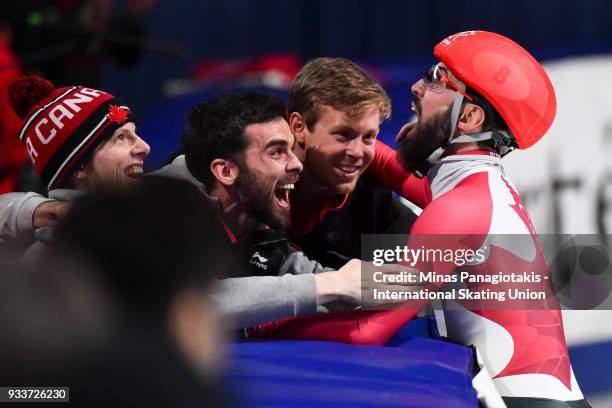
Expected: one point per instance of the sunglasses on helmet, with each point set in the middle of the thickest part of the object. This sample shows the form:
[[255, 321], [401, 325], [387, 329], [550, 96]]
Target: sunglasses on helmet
[[437, 75]]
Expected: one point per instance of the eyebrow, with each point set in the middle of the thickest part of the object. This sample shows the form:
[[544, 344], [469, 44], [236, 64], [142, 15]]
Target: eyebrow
[[343, 127], [352, 131], [277, 142]]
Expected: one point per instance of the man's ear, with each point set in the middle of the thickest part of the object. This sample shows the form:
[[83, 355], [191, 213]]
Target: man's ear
[[297, 124], [471, 119], [225, 171]]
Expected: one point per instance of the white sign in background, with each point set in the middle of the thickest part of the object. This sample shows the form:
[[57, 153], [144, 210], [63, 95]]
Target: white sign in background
[[566, 179]]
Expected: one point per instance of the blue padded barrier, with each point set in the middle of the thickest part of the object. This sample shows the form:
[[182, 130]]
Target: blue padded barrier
[[419, 372]]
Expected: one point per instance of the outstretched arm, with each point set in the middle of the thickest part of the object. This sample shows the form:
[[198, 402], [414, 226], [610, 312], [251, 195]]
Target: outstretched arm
[[377, 327]]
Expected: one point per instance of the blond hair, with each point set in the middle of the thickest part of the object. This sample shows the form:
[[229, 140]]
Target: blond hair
[[339, 83]]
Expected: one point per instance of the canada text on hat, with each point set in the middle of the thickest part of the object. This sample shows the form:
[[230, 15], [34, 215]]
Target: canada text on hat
[[67, 123]]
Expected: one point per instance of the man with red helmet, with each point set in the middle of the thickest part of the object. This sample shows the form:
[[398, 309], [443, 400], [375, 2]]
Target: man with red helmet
[[486, 97]]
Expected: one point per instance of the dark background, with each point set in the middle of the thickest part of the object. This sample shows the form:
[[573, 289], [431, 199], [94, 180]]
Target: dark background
[[385, 32]]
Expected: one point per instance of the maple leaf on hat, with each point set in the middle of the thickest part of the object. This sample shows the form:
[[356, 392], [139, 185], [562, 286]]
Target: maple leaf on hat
[[117, 114]]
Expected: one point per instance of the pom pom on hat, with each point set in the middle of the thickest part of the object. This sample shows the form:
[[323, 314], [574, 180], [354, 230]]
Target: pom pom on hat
[[26, 92]]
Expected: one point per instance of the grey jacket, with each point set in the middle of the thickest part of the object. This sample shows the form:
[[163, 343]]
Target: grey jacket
[[17, 234], [241, 301]]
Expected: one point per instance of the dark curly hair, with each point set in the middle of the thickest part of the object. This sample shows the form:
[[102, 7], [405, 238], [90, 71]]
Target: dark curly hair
[[215, 129]]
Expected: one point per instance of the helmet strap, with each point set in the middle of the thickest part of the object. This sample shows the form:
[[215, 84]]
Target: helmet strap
[[435, 156], [500, 146], [455, 110], [498, 143]]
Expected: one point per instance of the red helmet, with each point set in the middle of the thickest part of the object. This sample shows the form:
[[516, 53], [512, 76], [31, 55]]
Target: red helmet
[[507, 76]]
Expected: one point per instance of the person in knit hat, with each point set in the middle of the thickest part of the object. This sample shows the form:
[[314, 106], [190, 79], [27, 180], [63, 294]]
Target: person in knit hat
[[78, 139]]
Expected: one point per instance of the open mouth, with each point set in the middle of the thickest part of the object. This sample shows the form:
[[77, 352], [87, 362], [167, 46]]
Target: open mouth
[[416, 111], [347, 169], [281, 194], [134, 171], [346, 172]]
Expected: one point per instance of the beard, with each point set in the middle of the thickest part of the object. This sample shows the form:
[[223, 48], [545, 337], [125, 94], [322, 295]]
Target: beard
[[258, 198], [427, 138]]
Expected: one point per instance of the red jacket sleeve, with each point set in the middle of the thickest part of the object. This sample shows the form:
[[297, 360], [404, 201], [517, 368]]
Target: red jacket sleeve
[[362, 327], [388, 171]]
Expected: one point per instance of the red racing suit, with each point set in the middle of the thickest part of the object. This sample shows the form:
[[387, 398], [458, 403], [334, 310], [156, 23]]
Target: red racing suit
[[523, 350]]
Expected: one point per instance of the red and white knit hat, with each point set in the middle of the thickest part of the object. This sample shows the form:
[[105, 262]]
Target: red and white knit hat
[[62, 125]]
